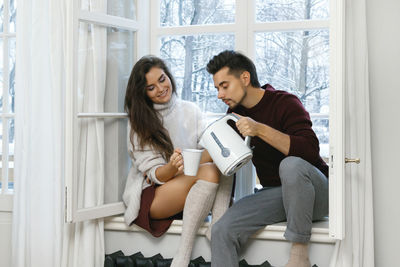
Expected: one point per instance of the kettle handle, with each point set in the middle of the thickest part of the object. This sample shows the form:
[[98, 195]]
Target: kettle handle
[[231, 116]]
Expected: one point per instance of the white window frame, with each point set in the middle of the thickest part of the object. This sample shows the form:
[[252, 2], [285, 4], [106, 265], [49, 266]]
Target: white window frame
[[6, 195], [141, 30], [244, 29], [337, 121]]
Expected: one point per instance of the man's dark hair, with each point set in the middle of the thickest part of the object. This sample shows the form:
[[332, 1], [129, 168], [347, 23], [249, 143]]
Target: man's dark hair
[[236, 62]]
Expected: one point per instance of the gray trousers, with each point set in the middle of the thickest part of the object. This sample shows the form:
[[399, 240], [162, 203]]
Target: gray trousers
[[302, 198]]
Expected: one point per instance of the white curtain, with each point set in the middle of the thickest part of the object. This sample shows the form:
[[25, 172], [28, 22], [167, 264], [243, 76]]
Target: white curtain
[[357, 249], [40, 82], [84, 241], [39, 235]]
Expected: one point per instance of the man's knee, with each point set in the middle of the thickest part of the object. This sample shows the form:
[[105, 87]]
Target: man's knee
[[219, 230], [222, 231], [292, 170]]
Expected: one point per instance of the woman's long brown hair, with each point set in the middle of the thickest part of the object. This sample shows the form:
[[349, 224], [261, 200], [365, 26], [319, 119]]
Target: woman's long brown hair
[[144, 119]]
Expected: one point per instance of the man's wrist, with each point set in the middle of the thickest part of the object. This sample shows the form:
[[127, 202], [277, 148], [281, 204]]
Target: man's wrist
[[259, 129]]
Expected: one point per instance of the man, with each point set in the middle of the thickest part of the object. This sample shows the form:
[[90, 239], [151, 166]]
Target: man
[[286, 158]]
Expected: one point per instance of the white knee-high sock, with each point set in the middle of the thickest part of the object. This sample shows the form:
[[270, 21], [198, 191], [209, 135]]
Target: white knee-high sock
[[221, 202], [197, 206]]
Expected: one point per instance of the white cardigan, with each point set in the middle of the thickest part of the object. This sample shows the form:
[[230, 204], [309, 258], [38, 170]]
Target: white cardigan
[[185, 123]]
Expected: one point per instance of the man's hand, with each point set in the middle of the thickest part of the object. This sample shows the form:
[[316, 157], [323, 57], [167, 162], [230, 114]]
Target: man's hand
[[247, 126]]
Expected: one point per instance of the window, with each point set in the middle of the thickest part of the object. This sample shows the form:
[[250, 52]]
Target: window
[[8, 12], [105, 48], [295, 44]]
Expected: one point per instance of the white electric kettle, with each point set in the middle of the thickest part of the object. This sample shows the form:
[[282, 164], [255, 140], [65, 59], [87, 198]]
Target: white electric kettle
[[225, 146]]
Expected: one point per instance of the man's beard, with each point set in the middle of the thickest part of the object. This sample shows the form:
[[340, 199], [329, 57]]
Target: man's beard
[[234, 103]]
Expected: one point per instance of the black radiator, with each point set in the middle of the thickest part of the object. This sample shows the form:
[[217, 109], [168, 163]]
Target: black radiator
[[118, 259]]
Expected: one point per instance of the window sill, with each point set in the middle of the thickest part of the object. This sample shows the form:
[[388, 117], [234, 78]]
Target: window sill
[[319, 232], [6, 202]]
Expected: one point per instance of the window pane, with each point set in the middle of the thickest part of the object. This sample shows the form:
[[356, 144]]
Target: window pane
[[102, 150], [196, 12], [13, 15], [122, 8], [321, 129], [120, 56], [105, 60], [1, 15], [1, 154], [297, 62], [187, 57], [1, 74], [116, 159], [282, 10], [116, 59], [11, 88]]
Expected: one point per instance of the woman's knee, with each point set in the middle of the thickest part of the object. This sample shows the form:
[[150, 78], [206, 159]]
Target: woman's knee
[[208, 172]]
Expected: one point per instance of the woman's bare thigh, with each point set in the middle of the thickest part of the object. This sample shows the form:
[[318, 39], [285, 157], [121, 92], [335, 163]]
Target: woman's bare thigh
[[169, 198]]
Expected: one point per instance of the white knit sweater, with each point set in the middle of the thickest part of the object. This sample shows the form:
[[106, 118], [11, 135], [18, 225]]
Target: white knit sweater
[[185, 122]]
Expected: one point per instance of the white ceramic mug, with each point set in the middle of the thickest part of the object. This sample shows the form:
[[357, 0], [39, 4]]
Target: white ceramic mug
[[191, 161]]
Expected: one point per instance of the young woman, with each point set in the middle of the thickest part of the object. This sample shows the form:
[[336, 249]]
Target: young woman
[[157, 191]]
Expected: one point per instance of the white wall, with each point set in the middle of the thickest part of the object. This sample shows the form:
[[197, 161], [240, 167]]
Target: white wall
[[383, 21], [255, 251]]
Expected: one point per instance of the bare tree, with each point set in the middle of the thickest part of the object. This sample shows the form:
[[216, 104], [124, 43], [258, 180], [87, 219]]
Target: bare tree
[[187, 80]]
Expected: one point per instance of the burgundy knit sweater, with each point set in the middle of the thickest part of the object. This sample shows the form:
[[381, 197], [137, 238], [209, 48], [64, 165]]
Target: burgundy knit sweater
[[284, 112]]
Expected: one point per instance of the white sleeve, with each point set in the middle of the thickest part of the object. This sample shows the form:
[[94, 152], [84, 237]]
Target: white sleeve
[[145, 159]]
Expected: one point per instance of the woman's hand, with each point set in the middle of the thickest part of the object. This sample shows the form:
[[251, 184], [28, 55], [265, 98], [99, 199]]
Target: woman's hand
[[172, 168], [176, 160]]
